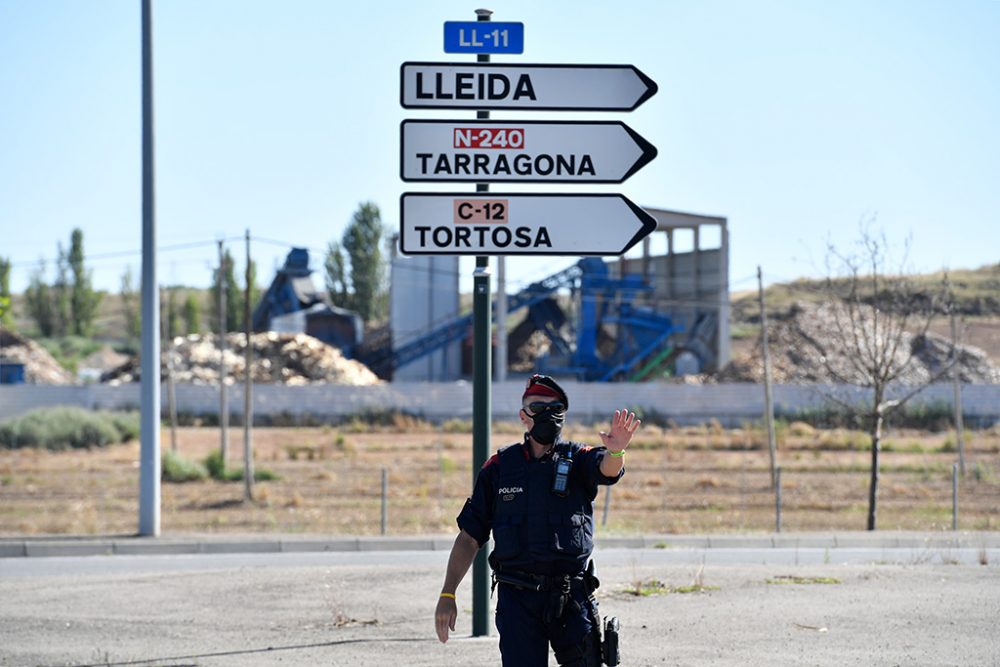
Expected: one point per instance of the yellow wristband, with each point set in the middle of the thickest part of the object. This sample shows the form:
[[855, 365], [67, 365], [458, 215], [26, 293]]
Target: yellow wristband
[[448, 595], [616, 454]]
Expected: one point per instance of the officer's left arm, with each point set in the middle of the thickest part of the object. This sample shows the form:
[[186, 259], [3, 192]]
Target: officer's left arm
[[623, 425]]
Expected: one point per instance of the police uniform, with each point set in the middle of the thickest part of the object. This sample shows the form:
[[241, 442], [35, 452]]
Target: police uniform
[[542, 544]]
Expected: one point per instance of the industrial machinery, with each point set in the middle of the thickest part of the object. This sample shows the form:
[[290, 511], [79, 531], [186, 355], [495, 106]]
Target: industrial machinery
[[292, 304], [612, 339]]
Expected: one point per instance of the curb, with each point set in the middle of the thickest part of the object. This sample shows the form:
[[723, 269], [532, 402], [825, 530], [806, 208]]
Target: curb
[[42, 547]]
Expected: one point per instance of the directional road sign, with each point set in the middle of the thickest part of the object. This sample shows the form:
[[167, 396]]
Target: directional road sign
[[483, 37], [522, 151], [426, 85], [463, 223]]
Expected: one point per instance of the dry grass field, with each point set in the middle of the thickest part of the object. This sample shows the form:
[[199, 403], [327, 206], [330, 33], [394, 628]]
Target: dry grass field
[[679, 480]]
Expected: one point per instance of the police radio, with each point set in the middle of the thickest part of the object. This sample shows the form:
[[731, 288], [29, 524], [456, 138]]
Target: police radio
[[560, 481]]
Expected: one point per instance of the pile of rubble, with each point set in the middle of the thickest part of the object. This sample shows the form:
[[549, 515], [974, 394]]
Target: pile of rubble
[[290, 359], [40, 367], [805, 347]]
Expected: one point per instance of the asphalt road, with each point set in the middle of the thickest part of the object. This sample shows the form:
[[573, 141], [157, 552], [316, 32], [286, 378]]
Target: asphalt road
[[886, 607]]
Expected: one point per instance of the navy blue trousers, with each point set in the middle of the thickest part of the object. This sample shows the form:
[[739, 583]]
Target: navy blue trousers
[[525, 637]]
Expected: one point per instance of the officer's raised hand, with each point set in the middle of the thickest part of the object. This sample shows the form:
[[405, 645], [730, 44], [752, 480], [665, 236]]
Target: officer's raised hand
[[623, 425]]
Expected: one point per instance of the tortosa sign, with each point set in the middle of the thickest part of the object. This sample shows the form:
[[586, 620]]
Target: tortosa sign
[[520, 224], [522, 151], [426, 85]]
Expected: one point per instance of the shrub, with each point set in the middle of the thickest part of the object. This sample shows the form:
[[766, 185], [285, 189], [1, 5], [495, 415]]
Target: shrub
[[215, 466], [66, 428], [177, 469], [217, 470]]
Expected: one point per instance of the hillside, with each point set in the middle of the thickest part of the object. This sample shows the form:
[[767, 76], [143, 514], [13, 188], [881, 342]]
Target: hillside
[[977, 294]]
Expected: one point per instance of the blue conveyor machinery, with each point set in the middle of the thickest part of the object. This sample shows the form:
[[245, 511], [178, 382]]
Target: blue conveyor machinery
[[641, 332]]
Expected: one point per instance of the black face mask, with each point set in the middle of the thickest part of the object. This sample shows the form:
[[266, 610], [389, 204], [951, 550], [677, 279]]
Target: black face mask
[[547, 426]]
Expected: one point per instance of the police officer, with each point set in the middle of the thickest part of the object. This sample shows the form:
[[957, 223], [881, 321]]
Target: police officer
[[537, 497]]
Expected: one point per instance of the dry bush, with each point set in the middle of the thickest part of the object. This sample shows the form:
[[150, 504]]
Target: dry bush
[[708, 483], [801, 430]]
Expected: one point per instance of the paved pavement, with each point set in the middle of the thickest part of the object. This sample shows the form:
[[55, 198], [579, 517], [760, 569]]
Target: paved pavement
[[790, 599]]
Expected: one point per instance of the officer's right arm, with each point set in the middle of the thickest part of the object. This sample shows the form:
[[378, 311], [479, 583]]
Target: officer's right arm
[[462, 554], [474, 523]]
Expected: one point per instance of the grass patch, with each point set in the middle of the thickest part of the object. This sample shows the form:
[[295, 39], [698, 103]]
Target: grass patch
[[983, 473], [68, 428], [650, 587], [795, 579]]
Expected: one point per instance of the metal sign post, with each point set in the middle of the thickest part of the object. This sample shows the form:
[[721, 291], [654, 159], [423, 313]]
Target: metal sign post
[[482, 366]]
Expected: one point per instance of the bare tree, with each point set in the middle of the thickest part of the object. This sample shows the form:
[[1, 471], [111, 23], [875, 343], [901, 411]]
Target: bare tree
[[879, 321]]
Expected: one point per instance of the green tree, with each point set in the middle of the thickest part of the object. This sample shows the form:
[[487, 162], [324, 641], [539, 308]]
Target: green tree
[[60, 292], [83, 299], [363, 243], [130, 304], [254, 290], [38, 301], [6, 314], [192, 315], [336, 276], [173, 316], [234, 292], [234, 295]]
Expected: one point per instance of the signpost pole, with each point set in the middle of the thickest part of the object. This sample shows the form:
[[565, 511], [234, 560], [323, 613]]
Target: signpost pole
[[481, 399]]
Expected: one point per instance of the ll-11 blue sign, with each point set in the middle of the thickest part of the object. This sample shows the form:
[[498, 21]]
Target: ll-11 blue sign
[[483, 37]]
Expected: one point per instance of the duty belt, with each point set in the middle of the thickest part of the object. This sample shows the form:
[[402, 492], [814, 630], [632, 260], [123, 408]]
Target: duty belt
[[541, 582]]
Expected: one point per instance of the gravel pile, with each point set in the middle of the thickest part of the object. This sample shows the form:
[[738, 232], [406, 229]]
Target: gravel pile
[[290, 359], [804, 348], [39, 366]]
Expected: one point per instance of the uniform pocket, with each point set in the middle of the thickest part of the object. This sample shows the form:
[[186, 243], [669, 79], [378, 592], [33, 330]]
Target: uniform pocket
[[573, 535], [507, 541]]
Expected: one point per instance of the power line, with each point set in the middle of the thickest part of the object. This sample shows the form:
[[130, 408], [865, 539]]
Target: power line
[[126, 253]]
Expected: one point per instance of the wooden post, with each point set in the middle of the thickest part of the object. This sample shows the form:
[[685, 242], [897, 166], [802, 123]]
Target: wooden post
[[248, 387]]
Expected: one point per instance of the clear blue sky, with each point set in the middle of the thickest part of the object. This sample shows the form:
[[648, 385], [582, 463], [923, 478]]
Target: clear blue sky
[[793, 119]]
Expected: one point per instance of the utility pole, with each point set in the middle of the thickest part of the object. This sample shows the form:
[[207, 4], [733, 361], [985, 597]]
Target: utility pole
[[768, 398], [957, 391], [248, 387], [223, 325], [149, 438]]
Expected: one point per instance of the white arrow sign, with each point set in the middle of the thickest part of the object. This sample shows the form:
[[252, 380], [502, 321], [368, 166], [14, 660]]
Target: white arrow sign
[[522, 151], [463, 223], [540, 87]]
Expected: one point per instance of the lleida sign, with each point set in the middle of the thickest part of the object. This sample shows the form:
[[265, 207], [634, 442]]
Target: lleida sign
[[454, 223], [428, 85], [521, 151]]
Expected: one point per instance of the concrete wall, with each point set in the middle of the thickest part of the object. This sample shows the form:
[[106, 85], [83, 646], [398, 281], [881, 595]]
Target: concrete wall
[[730, 404]]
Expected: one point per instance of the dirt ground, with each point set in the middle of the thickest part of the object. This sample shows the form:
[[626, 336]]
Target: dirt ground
[[682, 480]]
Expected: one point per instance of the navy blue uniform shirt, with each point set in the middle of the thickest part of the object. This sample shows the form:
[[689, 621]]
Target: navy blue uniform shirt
[[478, 516]]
